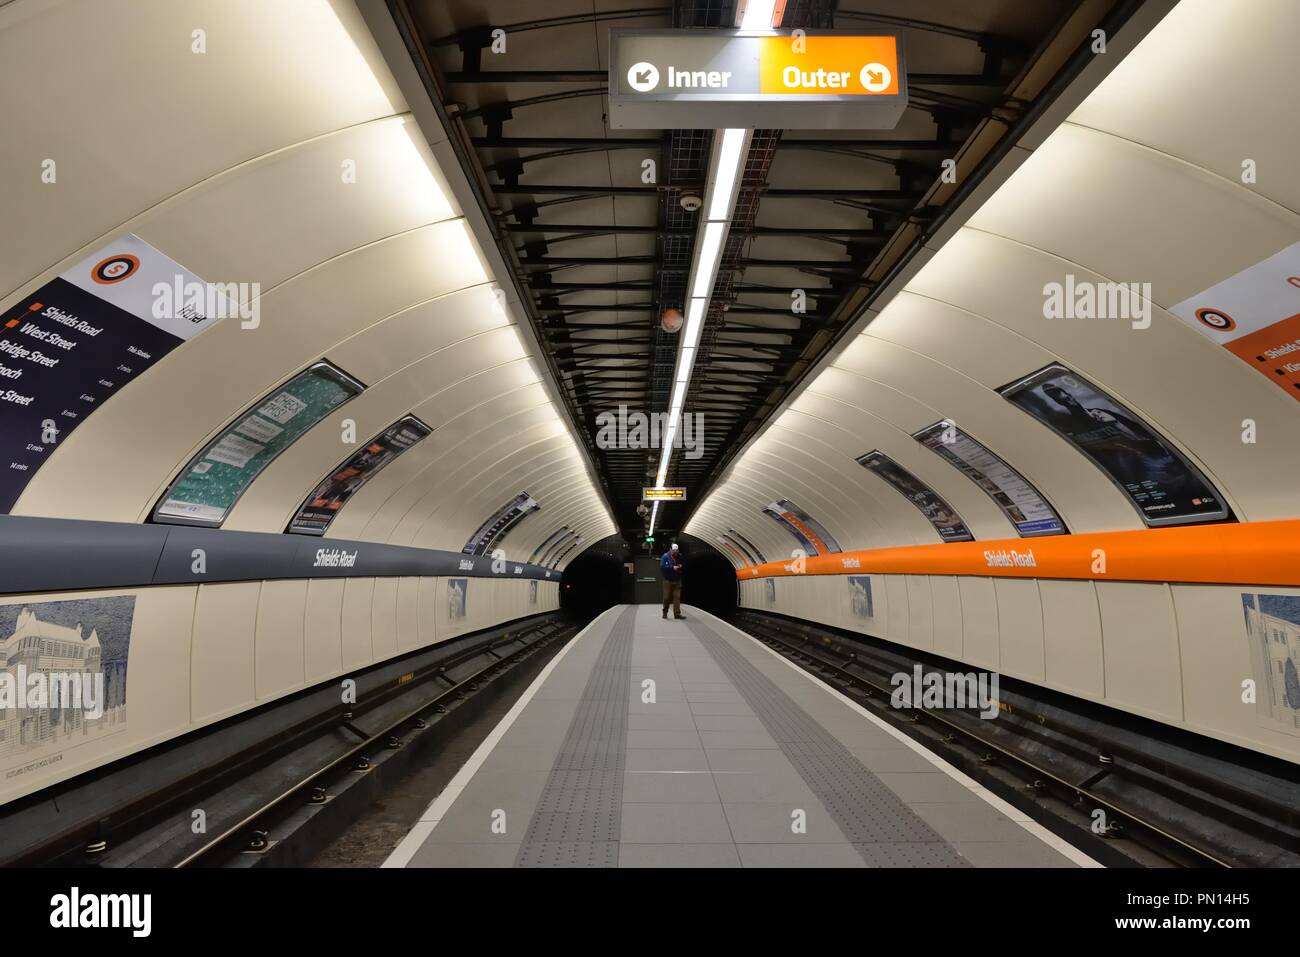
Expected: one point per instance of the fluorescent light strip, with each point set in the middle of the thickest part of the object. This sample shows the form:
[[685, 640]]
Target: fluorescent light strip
[[726, 174], [706, 261], [654, 514], [758, 15]]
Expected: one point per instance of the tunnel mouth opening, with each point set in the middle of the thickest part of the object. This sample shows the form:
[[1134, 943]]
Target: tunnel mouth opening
[[591, 583]]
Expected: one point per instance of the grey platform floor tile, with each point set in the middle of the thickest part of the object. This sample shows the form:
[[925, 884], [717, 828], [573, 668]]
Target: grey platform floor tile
[[666, 759], [918, 787], [1032, 853], [464, 855], [660, 721], [728, 722], [675, 824], [520, 759], [961, 823], [747, 759], [715, 697], [720, 707], [738, 740], [571, 854], [678, 855], [765, 787], [653, 787], [773, 823], [663, 739], [910, 854], [799, 855], [896, 759]]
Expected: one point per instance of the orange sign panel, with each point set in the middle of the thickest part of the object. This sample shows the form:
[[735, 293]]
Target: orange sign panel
[[865, 66]]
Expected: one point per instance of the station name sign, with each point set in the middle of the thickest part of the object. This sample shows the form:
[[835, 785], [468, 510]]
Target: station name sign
[[786, 79], [675, 493]]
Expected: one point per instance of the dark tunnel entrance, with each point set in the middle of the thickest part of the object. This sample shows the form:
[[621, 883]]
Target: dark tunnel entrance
[[599, 578]]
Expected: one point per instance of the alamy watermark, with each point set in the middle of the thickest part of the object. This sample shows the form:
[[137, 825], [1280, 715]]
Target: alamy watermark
[[1083, 299], [946, 689], [639, 430], [197, 301]]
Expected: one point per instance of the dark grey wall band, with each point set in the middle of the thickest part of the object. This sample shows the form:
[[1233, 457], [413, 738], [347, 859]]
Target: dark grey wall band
[[55, 554]]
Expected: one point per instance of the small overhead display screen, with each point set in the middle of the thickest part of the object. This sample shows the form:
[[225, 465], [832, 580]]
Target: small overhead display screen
[[212, 483], [1163, 486], [939, 513], [1020, 502], [812, 535], [496, 527], [318, 511]]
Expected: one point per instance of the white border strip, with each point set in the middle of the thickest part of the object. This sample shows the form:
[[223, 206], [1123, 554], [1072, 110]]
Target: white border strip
[[415, 838], [1058, 844]]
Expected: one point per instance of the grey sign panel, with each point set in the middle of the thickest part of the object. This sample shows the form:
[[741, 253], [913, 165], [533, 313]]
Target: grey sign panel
[[701, 79]]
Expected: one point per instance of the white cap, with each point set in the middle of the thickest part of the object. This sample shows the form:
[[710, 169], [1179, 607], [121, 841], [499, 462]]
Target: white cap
[[673, 546]]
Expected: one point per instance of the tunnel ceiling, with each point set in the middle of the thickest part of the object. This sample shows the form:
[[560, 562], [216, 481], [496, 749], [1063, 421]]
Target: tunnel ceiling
[[597, 253]]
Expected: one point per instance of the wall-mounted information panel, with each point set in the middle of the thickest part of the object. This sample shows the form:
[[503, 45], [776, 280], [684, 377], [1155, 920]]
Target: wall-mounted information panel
[[1020, 502], [812, 535], [71, 345], [318, 511], [212, 483], [699, 79], [1163, 486], [506, 517], [939, 513]]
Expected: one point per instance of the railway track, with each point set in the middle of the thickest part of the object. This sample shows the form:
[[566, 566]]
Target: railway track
[[302, 771], [1126, 798]]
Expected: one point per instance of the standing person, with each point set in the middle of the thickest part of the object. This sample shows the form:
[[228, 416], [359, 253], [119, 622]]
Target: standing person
[[671, 565]]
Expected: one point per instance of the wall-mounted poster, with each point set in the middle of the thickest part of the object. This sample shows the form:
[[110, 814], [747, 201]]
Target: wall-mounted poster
[[860, 597], [940, 514], [71, 345], [500, 523], [737, 557], [1020, 502], [769, 591], [208, 488], [812, 535], [1163, 486], [62, 677], [546, 543], [749, 547], [532, 591], [1255, 315], [318, 511], [457, 598], [1273, 631]]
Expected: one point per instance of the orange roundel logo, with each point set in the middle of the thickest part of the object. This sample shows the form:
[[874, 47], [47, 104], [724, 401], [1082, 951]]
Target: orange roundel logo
[[1216, 319], [115, 268]]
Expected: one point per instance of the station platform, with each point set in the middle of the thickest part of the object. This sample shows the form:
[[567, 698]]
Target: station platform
[[653, 743]]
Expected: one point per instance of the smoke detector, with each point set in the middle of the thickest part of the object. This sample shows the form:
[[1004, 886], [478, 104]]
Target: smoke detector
[[691, 202]]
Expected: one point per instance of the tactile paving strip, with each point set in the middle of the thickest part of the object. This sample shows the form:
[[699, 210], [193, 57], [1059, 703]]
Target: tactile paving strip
[[579, 814], [883, 829]]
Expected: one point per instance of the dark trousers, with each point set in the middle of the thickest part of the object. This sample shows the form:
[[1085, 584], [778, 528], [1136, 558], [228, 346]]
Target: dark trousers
[[673, 596]]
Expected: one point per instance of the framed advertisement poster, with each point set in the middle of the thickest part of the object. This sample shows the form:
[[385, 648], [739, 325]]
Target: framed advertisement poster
[[940, 514], [1020, 502], [318, 510], [1164, 487], [208, 488]]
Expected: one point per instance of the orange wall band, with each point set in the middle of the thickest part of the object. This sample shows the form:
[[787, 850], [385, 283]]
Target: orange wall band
[[1252, 553]]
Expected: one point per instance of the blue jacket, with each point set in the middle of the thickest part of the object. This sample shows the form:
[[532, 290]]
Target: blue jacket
[[666, 564]]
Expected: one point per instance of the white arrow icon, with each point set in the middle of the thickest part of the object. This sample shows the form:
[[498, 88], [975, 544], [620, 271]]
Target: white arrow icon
[[875, 77], [643, 77]]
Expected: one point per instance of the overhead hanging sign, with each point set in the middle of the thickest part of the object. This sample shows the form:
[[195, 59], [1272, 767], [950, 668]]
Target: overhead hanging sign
[[676, 493], [1255, 315], [810, 80]]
